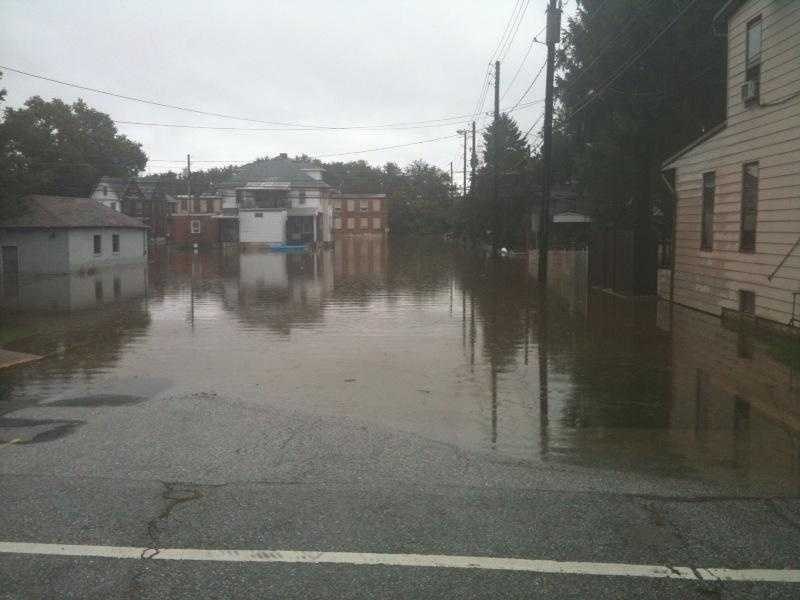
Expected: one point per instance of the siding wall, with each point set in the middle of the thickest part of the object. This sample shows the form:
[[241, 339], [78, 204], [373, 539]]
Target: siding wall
[[39, 251], [132, 246], [711, 280], [270, 228]]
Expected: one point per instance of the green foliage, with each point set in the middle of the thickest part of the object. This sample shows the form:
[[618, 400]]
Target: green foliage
[[506, 222], [666, 98], [201, 181], [420, 196], [57, 148]]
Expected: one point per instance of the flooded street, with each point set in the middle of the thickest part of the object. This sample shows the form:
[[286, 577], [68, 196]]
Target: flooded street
[[413, 337], [387, 403]]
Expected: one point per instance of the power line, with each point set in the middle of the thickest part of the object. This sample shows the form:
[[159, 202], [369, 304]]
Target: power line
[[516, 29], [525, 93], [456, 120], [292, 126], [364, 151], [605, 85]]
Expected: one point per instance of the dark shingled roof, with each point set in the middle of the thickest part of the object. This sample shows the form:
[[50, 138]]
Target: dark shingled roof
[[116, 184], [275, 169], [60, 211]]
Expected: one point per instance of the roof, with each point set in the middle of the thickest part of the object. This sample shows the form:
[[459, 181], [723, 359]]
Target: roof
[[276, 170], [117, 185], [346, 195], [149, 187], [47, 212], [665, 166], [724, 13]]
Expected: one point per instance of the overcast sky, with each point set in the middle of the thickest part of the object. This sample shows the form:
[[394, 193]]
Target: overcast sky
[[342, 63]]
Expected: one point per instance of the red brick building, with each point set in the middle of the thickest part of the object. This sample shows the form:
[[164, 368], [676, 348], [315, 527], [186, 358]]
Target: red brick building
[[360, 214], [204, 229]]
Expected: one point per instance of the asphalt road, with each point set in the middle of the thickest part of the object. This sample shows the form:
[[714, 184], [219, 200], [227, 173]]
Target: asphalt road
[[155, 469]]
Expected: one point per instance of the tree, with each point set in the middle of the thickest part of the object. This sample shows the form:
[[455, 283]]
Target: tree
[[57, 148], [621, 122], [505, 146]]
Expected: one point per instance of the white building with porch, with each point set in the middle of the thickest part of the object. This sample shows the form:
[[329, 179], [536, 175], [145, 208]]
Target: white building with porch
[[280, 201]]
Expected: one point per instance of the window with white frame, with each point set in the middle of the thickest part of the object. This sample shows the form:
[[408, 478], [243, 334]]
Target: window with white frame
[[195, 226]]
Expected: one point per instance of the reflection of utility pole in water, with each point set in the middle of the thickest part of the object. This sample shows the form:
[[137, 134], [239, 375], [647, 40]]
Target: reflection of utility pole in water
[[543, 367], [471, 333], [494, 403], [463, 317]]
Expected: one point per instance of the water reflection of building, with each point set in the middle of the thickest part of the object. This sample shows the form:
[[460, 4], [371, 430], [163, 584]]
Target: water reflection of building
[[358, 256], [282, 290], [733, 400], [76, 291]]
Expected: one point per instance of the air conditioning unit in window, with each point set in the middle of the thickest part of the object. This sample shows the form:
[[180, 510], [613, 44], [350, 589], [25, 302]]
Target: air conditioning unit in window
[[750, 91]]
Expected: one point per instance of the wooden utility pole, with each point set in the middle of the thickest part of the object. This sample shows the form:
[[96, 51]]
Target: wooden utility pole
[[465, 165], [495, 166], [473, 161], [553, 34], [188, 179]]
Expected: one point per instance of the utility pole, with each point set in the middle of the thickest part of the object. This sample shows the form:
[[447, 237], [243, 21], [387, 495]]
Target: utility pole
[[553, 34], [495, 206], [188, 179], [464, 189], [473, 162]]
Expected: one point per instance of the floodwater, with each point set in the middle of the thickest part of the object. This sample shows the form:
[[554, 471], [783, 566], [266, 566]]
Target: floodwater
[[424, 338]]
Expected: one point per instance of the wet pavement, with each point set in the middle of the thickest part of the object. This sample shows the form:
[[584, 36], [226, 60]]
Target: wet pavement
[[402, 397]]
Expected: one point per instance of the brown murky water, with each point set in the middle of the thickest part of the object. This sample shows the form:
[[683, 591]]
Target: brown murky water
[[424, 338]]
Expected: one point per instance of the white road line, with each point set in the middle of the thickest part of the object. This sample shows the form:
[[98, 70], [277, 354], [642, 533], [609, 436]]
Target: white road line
[[407, 560]]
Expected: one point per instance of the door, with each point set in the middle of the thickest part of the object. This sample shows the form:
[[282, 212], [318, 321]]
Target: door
[[10, 261]]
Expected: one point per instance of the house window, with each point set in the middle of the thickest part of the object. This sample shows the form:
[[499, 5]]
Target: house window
[[115, 243], [258, 215], [364, 205], [753, 54], [337, 223], [98, 244], [364, 223], [198, 205], [376, 206], [351, 205], [707, 223], [183, 204], [351, 223], [302, 196], [117, 287], [195, 225], [376, 223], [98, 290], [113, 206], [747, 241], [747, 302]]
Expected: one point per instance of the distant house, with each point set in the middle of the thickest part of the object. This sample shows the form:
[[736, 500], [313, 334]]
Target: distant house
[[570, 217], [200, 220], [142, 199], [56, 234], [737, 188], [359, 214], [280, 201], [113, 191]]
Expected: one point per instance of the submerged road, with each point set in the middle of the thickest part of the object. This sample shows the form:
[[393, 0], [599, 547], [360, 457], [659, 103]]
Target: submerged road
[[365, 438]]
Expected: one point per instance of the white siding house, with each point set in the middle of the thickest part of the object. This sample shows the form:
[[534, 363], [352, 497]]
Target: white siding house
[[56, 234], [280, 201], [737, 222]]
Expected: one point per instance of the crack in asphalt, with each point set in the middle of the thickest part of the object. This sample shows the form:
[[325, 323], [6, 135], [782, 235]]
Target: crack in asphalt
[[175, 494]]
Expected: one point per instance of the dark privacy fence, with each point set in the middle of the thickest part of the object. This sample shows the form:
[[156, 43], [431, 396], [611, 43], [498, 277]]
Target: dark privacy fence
[[623, 260]]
